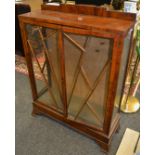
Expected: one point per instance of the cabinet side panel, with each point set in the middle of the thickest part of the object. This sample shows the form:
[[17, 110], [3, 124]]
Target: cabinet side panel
[[122, 72]]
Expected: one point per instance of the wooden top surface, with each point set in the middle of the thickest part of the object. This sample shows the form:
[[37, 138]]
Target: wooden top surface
[[81, 21]]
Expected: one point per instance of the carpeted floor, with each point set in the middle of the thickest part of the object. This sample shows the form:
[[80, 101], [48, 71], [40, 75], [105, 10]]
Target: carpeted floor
[[43, 136]]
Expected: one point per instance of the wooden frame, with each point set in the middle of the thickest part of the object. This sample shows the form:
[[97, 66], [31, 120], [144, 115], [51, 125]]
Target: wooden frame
[[117, 34]]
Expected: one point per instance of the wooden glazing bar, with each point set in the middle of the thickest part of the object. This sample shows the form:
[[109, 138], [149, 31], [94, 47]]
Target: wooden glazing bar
[[47, 64], [48, 71], [48, 58], [42, 69], [86, 41], [74, 43], [43, 76], [77, 70], [50, 63], [100, 76], [89, 85], [76, 74], [42, 91], [83, 73], [94, 112], [50, 35], [47, 35]]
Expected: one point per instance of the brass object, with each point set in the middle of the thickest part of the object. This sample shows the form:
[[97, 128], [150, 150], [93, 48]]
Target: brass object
[[129, 105], [132, 105]]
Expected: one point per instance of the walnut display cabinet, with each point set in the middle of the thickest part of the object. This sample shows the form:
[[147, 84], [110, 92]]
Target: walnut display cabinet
[[77, 57]]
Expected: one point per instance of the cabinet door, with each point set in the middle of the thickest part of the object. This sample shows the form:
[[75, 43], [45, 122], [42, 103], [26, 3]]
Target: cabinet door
[[87, 66], [43, 45]]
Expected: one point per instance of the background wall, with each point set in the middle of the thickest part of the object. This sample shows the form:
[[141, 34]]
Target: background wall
[[35, 4]]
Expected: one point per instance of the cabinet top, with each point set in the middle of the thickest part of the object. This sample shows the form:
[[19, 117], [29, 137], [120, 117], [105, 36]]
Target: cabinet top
[[89, 22]]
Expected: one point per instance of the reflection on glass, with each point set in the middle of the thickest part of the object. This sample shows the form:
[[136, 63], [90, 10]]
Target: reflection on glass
[[122, 72]]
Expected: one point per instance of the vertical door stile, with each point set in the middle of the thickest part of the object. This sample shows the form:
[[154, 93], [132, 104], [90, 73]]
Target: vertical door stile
[[108, 76], [28, 61], [115, 64], [62, 69]]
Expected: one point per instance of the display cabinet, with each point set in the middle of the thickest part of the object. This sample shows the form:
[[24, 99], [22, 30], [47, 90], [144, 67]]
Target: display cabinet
[[82, 60]]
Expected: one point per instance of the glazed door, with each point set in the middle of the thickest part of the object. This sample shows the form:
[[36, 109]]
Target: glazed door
[[87, 67], [80, 92], [44, 50]]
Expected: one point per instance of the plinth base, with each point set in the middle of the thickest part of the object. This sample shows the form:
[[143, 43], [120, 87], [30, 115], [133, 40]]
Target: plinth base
[[102, 139]]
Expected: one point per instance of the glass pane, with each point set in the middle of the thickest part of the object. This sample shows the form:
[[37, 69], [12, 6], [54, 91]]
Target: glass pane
[[122, 72], [43, 44], [87, 64]]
